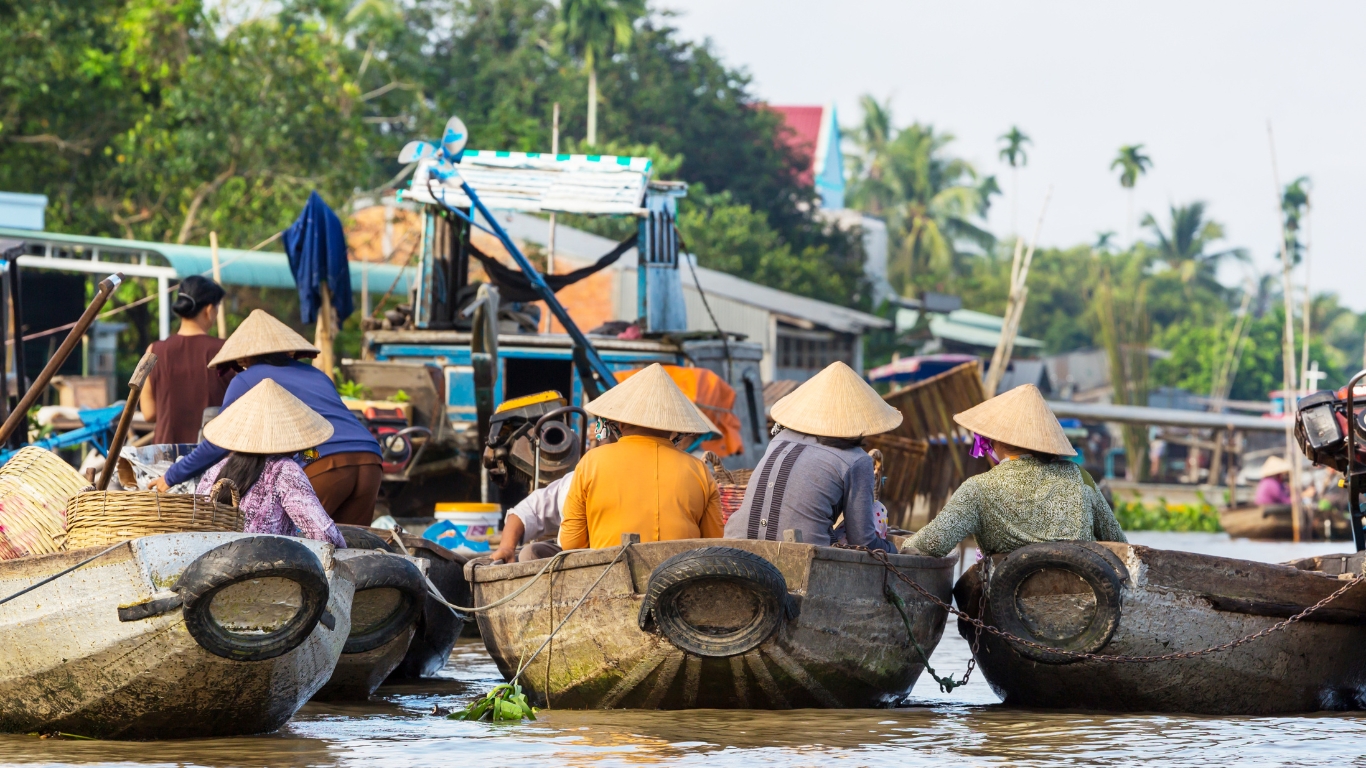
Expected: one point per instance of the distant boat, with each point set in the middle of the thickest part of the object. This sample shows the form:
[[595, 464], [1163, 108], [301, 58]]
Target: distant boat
[[1272, 523]]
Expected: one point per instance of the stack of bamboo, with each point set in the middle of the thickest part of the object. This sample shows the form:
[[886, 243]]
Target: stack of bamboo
[[929, 456]]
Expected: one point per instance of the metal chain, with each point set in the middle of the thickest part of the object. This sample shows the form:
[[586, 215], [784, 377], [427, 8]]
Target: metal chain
[[981, 626]]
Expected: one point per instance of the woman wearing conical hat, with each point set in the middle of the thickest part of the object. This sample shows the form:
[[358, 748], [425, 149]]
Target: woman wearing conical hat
[[1273, 488], [814, 469], [262, 432], [345, 469], [1032, 494], [642, 482]]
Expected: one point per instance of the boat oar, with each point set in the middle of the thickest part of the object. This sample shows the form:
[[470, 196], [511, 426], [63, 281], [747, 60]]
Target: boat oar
[[135, 385], [20, 413]]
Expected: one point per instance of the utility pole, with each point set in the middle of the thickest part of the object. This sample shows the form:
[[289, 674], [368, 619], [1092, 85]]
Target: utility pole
[[1287, 351]]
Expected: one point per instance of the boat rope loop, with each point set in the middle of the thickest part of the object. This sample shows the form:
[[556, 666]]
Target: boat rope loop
[[522, 667], [981, 626], [460, 609], [946, 684], [56, 576]]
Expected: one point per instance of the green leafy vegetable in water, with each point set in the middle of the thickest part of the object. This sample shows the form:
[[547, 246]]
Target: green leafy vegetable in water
[[504, 703]]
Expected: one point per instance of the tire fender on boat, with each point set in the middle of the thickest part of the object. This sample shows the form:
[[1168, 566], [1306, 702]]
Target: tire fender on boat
[[361, 537], [1099, 568], [384, 571], [246, 559], [716, 601]]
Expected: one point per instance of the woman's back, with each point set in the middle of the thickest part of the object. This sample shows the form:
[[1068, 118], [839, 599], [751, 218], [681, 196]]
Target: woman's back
[[183, 385]]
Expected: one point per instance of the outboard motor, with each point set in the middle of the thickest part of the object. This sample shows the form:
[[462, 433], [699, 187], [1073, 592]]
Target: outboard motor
[[1330, 428], [531, 440]]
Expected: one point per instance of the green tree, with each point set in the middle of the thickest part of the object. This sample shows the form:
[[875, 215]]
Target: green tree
[[1132, 163], [933, 203], [591, 29], [1013, 153], [1294, 206], [1184, 246]]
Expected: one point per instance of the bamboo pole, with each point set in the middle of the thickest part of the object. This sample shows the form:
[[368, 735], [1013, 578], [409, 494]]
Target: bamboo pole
[[1015, 303], [550, 247], [135, 385], [1287, 352], [218, 278], [324, 333], [20, 413], [1308, 309]]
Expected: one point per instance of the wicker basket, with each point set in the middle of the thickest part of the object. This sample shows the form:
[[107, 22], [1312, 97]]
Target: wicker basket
[[101, 518], [35, 486], [730, 483]]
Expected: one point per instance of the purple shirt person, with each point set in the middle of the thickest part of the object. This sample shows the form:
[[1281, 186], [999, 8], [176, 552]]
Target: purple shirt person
[[1272, 489]]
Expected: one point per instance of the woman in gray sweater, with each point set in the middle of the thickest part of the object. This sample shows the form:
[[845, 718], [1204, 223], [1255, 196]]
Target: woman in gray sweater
[[815, 468]]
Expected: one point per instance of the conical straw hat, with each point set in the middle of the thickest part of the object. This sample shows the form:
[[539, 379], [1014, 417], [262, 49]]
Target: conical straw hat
[[260, 334], [268, 419], [1275, 465], [836, 402], [651, 399], [1021, 418]]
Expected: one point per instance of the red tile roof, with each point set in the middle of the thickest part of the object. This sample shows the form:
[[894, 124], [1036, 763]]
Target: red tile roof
[[805, 123]]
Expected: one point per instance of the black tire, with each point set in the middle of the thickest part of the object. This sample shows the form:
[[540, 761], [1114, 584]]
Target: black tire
[[688, 576], [1100, 568], [361, 537], [242, 560], [385, 572]]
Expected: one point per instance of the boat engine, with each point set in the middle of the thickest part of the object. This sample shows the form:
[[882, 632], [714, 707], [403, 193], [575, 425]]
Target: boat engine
[[532, 442], [1321, 428]]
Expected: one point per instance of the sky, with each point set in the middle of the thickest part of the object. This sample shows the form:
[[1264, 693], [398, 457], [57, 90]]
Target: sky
[[1194, 82]]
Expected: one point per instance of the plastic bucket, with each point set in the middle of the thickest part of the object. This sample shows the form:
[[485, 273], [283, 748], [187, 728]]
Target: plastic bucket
[[468, 526]]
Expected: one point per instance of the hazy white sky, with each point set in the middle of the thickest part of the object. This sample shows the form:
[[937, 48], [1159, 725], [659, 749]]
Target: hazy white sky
[[1195, 82]]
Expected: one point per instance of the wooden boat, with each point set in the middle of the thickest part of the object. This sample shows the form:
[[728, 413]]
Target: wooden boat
[[1124, 600], [1273, 523], [389, 595], [438, 627], [170, 636], [707, 623]]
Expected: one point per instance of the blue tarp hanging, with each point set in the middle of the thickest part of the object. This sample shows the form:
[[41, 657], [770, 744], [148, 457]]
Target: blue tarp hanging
[[316, 246]]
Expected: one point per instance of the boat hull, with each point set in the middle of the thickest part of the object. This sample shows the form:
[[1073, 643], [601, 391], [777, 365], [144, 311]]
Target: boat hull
[[1273, 523], [1178, 601], [357, 675], [69, 664], [841, 643], [438, 627]]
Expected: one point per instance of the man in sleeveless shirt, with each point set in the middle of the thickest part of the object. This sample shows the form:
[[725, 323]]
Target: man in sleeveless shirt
[[815, 469], [182, 385]]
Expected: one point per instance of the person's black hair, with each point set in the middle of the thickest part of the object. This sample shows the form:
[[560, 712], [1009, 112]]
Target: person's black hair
[[276, 358], [196, 293], [243, 469]]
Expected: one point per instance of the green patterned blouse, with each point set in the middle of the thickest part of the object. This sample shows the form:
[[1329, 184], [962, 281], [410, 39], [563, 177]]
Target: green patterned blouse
[[1021, 501]]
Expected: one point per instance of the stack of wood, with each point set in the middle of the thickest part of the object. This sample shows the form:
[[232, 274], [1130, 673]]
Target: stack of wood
[[929, 456]]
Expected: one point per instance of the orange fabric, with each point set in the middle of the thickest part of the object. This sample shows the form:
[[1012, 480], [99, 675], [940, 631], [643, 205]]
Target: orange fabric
[[639, 485], [714, 396]]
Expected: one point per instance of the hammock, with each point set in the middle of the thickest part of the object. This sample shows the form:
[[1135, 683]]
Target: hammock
[[513, 286]]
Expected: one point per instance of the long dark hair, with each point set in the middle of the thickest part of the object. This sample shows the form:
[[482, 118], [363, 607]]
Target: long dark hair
[[243, 469]]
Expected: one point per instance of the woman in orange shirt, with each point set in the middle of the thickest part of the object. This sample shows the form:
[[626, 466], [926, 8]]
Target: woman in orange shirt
[[642, 483]]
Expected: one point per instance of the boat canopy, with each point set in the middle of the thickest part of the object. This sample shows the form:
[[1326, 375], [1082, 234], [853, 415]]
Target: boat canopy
[[535, 182]]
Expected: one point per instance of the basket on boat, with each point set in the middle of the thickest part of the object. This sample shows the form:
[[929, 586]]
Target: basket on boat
[[101, 518], [730, 483], [35, 485]]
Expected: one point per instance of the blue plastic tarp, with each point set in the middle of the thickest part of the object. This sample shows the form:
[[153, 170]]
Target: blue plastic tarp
[[316, 246]]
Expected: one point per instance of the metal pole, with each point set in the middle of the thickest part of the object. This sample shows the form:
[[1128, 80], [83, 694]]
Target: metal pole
[[17, 307], [163, 310], [20, 413], [1353, 489]]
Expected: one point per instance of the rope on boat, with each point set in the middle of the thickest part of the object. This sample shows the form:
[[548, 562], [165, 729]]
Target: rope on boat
[[56, 576], [522, 667], [437, 596], [981, 626]]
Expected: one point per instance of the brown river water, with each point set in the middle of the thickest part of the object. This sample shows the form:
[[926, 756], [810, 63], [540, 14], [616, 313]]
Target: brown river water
[[967, 727]]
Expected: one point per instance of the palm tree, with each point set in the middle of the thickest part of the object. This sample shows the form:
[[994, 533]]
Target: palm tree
[[1014, 154], [591, 29], [933, 203], [1183, 246], [1294, 202], [1132, 163]]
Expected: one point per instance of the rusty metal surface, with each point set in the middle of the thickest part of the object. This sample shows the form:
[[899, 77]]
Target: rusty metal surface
[[846, 647], [67, 663], [1176, 602]]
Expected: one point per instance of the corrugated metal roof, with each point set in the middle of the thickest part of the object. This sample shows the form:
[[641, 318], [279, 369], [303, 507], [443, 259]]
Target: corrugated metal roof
[[263, 269], [964, 326], [535, 182], [1137, 414]]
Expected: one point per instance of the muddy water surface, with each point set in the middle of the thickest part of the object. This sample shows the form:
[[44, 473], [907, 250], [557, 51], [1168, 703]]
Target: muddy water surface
[[969, 726]]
